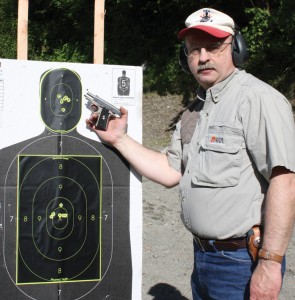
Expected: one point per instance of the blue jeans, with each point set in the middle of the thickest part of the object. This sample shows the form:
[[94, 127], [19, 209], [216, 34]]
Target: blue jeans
[[222, 274]]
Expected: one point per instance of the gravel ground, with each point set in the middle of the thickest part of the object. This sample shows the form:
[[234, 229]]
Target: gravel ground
[[167, 245]]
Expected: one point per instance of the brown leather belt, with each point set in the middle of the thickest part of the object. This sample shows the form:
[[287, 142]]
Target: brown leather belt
[[221, 245]]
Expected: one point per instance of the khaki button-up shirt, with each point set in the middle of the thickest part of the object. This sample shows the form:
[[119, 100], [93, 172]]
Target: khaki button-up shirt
[[244, 129]]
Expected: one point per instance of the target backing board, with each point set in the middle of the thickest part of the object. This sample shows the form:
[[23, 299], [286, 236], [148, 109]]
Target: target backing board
[[70, 205]]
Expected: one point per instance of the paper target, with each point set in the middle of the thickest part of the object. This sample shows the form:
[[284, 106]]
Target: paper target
[[70, 206]]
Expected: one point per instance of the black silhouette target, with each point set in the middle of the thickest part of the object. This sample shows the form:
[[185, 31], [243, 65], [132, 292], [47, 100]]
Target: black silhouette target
[[59, 219]]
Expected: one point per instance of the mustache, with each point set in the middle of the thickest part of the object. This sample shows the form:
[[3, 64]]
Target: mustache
[[205, 66]]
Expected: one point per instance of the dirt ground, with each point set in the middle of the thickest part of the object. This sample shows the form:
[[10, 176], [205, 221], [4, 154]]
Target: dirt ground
[[167, 245]]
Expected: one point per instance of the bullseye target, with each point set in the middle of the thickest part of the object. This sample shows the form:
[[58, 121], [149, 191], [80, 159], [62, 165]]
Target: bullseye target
[[59, 219]]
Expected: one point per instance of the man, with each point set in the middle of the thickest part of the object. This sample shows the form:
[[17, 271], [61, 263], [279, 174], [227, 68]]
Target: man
[[232, 155]]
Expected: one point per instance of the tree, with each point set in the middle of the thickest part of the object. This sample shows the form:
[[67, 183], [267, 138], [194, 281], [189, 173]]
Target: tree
[[270, 35], [61, 30], [8, 28]]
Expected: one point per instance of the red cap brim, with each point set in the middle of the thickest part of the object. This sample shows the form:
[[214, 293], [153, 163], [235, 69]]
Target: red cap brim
[[210, 30]]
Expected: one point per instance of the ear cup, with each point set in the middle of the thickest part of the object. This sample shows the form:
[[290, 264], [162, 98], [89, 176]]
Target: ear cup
[[239, 50], [183, 59]]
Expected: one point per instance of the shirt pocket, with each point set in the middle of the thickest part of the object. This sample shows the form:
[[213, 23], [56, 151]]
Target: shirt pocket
[[220, 157]]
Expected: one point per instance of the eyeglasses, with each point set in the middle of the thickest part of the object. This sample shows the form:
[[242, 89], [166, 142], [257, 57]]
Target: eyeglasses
[[211, 49]]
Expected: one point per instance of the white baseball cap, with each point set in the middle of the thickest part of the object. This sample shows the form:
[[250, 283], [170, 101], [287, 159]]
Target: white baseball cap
[[211, 21]]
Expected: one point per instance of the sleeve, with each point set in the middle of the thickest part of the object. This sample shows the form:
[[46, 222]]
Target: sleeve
[[174, 150], [269, 131]]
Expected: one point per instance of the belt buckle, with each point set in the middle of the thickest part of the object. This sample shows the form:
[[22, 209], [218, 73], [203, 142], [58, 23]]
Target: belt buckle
[[198, 241]]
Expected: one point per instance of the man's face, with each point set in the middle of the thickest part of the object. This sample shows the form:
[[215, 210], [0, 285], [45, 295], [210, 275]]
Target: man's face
[[209, 58]]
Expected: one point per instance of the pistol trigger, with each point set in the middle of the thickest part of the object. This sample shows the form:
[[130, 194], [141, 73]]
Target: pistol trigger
[[94, 108]]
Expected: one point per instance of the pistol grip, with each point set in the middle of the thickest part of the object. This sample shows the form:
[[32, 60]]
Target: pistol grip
[[103, 120]]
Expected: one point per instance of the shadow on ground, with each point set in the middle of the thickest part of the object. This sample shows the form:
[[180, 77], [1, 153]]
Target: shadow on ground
[[164, 291]]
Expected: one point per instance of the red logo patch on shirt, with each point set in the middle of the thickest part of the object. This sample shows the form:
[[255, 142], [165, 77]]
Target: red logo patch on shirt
[[216, 139]]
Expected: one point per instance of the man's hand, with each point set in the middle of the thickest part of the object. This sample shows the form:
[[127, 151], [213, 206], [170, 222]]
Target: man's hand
[[117, 127], [266, 281]]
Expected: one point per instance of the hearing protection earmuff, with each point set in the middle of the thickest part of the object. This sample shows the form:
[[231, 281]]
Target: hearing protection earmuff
[[239, 49], [239, 52]]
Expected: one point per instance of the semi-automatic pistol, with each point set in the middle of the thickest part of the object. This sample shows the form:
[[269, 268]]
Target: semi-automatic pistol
[[104, 109]]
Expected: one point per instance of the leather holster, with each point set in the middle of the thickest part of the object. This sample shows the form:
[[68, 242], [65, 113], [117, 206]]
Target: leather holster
[[254, 242]]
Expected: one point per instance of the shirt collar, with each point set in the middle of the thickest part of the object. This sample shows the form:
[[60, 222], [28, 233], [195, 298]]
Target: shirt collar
[[214, 92]]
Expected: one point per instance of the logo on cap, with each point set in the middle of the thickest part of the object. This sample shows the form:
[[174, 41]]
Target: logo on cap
[[206, 17]]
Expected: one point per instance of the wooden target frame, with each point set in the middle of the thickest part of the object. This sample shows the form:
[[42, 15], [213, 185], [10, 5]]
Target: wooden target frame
[[22, 30]]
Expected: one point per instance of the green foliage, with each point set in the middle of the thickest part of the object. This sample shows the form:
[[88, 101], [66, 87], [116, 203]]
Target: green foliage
[[61, 30], [68, 52], [270, 36], [8, 28], [258, 30]]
